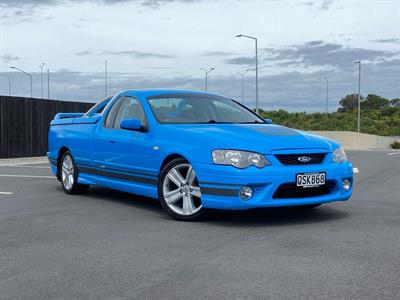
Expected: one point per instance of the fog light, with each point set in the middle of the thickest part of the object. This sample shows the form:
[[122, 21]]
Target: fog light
[[246, 193], [346, 184]]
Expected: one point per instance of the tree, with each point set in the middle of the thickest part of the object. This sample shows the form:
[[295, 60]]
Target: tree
[[375, 102], [349, 102]]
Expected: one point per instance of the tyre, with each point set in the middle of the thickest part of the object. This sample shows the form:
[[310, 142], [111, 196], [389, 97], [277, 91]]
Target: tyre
[[179, 191], [69, 175]]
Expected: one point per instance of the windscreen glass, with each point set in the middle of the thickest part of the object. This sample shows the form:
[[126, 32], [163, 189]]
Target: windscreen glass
[[195, 108]]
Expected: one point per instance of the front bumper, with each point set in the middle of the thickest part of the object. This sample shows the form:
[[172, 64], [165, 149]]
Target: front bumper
[[220, 184]]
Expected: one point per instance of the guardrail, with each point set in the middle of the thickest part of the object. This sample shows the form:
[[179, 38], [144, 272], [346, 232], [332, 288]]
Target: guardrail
[[24, 124], [359, 141]]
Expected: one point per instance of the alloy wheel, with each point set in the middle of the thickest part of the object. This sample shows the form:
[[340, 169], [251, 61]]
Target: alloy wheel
[[181, 190], [67, 172]]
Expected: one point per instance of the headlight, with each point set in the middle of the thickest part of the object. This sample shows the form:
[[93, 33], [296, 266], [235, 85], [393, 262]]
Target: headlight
[[239, 159], [339, 155]]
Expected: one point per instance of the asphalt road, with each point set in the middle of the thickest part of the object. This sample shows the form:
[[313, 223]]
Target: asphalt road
[[111, 245]]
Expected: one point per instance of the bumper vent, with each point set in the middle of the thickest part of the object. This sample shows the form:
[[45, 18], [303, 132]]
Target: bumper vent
[[301, 159], [290, 190]]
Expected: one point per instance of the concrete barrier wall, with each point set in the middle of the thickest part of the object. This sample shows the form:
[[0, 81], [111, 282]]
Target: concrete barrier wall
[[362, 141]]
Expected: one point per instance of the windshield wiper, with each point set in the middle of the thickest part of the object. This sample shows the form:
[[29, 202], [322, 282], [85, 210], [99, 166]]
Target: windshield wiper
[[253, 122]]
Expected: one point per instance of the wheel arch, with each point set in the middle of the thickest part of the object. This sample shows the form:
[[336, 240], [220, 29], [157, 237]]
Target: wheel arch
[[169, 158]]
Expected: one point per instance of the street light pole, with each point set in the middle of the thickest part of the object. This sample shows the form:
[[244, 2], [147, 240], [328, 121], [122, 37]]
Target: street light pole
[[26, 73], [48, 84], [207, 72], [105, 78], [359, 96], [327, 95], [41, 79], [9, 83], [242, 75], [255, 40]]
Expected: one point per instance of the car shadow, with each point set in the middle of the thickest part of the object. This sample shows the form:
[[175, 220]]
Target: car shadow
[[276, 216]]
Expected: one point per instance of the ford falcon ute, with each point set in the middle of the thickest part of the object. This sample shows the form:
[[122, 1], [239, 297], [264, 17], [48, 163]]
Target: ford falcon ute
[[195, 151]]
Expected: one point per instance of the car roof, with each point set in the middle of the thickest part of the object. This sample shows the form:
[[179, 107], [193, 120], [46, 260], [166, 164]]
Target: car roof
[[157, 92]]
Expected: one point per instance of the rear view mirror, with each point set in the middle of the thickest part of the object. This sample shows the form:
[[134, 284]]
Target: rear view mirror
[[131, 124], [268, 121]]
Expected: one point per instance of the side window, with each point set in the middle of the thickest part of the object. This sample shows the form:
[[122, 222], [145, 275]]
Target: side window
[[130, 108], [109, 123]]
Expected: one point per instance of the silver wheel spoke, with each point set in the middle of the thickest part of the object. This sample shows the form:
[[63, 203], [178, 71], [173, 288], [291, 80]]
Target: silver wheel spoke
[[173, 196], [176, 177], [190, 176], [195, 191], [64, 168], [188, 205]]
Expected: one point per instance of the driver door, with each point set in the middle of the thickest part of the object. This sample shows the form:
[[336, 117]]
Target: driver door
[[124, 154]]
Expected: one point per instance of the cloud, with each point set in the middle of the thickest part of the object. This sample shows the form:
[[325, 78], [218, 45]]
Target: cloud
[[35, 3], [242, 60], [387, 41], [131, 53], [7, 58], [318, 54], [86, 52], [326, 4], [136, 54], [217, 53], [292, 90]]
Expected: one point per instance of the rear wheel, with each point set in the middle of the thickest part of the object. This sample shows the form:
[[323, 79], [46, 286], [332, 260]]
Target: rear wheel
[[69, 175], [179, 191]]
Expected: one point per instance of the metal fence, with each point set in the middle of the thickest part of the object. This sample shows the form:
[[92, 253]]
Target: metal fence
[[24, 124]]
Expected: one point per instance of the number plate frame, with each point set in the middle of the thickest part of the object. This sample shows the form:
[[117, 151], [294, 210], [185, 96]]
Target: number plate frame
[[311, 179]]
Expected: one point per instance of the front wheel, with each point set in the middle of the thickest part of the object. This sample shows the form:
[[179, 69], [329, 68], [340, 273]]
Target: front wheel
[[69, 175], [179, 191]]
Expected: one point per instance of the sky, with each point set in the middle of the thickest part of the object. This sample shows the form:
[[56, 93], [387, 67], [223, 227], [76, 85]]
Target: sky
[[166, 43]]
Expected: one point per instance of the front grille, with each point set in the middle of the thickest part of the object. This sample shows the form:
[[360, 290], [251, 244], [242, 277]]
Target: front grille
[[290, 190], [293, 159]]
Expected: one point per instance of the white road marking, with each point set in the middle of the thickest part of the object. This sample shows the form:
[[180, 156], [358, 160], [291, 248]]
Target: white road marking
[[34, 167], [355, 170], [6, 193], [27, 176], [394, 153]]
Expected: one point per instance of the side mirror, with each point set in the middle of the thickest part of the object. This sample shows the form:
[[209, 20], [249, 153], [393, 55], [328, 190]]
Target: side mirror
[[268, 121], [131, 124]]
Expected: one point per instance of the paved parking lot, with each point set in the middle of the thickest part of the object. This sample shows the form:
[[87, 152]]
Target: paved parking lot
[[111, 245]]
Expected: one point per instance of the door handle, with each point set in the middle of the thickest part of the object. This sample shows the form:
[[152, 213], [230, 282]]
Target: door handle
[[111, 141]]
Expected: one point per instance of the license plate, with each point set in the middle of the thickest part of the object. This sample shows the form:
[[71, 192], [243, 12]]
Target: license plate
[[306, 180]]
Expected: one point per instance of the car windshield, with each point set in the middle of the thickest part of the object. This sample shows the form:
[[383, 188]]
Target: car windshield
[[200, 109]]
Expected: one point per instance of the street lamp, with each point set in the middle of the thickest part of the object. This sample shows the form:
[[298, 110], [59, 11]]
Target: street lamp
[[41, 79], [242, 75], [9, 83], [359, 95], [48, 84], [105, 78], [327, 94], [207, 72], [26, 73], [255, 40]]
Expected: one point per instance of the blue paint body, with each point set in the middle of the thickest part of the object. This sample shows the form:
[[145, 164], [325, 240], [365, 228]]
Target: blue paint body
[[104, 156]]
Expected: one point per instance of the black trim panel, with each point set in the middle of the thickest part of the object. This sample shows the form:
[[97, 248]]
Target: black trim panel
[[222, 184], [109, 174], [219, 192]]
